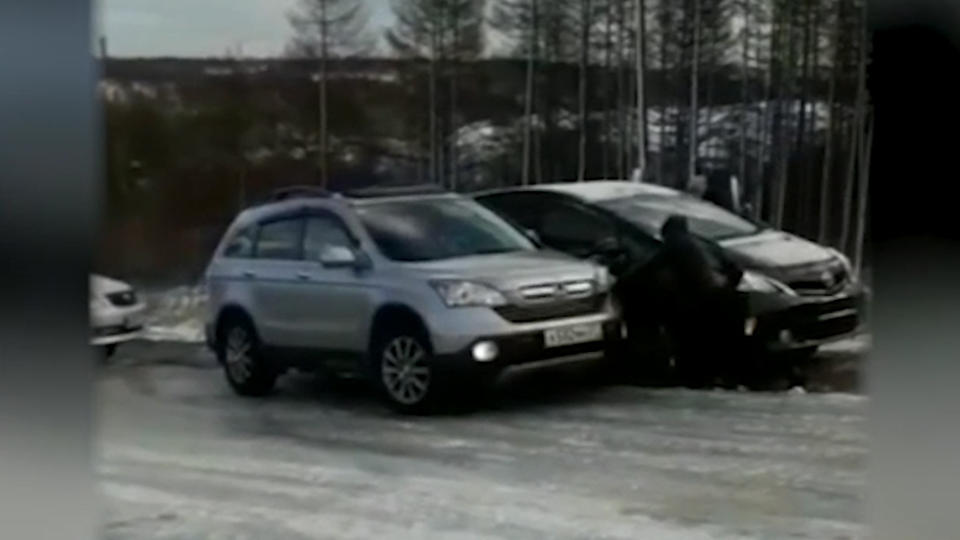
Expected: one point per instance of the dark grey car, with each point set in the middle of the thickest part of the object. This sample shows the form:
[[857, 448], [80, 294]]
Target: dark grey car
[[801, 295]]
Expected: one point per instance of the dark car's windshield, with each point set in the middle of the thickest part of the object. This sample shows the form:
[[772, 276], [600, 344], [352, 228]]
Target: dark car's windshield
[[434, 229], [705, 219]]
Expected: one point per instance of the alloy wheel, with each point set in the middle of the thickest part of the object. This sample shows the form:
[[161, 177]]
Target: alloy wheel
[[238, 359], [404, 370]]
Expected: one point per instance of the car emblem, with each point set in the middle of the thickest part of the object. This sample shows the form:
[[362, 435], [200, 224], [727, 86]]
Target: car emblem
[[827, 278]]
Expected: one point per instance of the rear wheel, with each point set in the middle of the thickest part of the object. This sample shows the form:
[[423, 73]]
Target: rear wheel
[[243, 364]]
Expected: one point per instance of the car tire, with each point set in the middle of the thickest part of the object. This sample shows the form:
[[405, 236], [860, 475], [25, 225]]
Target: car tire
[[243, 363], [403, 370]]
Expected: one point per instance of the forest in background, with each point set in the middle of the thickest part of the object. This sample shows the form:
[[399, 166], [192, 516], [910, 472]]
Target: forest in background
[[770, 90]]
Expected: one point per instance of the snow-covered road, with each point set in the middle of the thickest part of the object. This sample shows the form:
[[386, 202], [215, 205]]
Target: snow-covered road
[[552, 455]]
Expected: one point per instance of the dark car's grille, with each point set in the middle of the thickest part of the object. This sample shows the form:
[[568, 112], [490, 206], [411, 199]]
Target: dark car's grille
[[819, 280], [552, 310], [123, 299], [824, 320], [835, 326], [816, 309]]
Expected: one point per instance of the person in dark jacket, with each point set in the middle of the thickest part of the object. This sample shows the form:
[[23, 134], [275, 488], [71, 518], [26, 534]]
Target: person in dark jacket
[[692, 286]]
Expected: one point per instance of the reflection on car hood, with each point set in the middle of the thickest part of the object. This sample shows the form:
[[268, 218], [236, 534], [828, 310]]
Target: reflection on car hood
[[101, 285], [775, 249], [511, 270]]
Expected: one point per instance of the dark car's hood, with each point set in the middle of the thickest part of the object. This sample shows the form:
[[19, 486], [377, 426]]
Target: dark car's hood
[[771, 249]]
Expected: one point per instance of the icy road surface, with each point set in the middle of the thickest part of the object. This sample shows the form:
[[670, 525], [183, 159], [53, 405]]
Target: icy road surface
[[552, 455]]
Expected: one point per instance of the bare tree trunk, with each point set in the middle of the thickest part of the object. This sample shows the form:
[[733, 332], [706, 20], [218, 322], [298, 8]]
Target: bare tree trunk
[[454, 73], [827, 170], [607, 65], [322, 150], [866, 150], [694, 91], [784, 156], [766, 131], [621, 91], [584, 66], [434, 154], [641, 89], [662, 147], [744, 90], [707, 122], [856, 140], [528, 95], [849, 182], [804, 73], [801, 193]]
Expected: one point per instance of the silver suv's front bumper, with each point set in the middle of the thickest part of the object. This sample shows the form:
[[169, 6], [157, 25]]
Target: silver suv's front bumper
[[455, 331]]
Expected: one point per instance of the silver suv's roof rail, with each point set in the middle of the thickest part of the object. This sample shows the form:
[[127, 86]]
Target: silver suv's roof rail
[[300, 192], [395, 191]]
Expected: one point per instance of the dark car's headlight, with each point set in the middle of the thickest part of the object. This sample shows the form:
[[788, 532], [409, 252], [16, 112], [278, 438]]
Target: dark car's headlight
[[755, 282], [845, 262]]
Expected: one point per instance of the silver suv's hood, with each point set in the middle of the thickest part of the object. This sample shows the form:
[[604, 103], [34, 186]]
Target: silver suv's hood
[[509, 271], [775, 249]]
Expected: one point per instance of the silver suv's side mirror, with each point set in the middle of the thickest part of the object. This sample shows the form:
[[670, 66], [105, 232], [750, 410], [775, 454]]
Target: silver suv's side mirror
[[338, 257]]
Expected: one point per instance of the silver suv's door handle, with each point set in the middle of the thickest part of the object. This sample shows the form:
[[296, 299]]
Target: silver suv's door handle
[[303, 275], [249, 274]]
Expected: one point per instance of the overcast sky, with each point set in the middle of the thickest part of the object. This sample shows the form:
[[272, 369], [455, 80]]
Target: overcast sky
[[203, 27]]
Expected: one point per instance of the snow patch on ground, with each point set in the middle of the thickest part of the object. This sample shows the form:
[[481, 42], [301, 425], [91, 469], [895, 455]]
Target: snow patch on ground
[[175, 315]]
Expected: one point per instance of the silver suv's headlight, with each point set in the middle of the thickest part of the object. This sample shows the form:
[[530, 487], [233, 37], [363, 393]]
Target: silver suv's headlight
[[605, 280], [468, 293], [754, 282]]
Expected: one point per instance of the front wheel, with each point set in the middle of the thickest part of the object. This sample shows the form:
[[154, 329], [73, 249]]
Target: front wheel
[[243, 364], [404, 371]]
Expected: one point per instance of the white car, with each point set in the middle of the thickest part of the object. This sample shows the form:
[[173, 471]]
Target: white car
[[116, 313]]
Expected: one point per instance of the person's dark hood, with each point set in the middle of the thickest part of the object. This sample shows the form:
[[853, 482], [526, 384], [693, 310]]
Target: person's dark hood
[[772, 249]]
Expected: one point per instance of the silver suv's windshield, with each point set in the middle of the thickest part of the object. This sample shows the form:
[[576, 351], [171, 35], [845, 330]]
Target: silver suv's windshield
[[433, 229], [705, 219]]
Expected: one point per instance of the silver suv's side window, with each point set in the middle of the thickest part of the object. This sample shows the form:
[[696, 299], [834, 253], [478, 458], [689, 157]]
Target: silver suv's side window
[[280, 240], [241, 245], [323, 232]]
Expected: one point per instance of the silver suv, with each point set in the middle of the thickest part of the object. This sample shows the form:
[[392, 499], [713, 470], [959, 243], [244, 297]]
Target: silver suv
[[422, 291]]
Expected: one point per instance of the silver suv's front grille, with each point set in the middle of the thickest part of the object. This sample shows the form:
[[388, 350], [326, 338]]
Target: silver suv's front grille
[[545, 311], [558, 291], [553, 301]]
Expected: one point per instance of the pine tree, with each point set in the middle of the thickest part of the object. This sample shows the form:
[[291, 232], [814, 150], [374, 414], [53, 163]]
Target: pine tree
[[325, 29]]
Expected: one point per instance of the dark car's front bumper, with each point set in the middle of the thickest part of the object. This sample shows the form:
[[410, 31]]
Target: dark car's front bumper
[[785, 323]]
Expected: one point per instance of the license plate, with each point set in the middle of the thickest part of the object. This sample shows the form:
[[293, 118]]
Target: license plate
[[572, 335]]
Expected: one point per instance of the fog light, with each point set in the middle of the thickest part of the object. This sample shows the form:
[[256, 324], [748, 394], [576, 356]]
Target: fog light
[[485, 351], [750, 326], [624, 332], [786, 336]]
